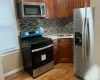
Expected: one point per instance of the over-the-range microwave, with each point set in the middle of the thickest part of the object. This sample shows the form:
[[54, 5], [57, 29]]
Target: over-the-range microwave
[[31, 9]]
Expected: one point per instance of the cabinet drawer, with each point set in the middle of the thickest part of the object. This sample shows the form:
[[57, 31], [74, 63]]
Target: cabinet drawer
[[64, 40]]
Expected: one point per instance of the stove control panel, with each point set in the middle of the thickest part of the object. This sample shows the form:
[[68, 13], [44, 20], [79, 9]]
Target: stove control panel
[[30, 33]]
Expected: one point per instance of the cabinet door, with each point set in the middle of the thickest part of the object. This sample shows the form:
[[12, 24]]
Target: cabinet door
[[81, 3], [55, 51], [65, 7], [62, 7], [72, 50], [71, 8], [50, 8], [87, 3], [64, 50], [78, 3]]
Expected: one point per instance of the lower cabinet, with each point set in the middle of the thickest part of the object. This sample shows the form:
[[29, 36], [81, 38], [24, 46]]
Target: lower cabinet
[[55, 51], [63, 50], [72, 50]]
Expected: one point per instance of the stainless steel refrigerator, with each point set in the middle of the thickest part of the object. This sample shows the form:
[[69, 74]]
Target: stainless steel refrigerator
[[83, 40]]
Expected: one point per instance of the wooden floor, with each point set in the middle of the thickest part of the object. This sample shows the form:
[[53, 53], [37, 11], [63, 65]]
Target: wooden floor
[[61, 71]]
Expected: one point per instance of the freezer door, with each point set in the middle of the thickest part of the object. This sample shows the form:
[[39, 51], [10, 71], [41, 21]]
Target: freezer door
[[79, 23], [89, 38]]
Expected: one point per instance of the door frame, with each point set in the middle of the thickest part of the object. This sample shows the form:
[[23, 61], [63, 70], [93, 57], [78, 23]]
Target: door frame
[[1, 70]]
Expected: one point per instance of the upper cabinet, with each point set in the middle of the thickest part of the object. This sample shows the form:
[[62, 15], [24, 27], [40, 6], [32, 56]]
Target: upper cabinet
[[87, 3], [63, 8], [51, 9], [81, 3]]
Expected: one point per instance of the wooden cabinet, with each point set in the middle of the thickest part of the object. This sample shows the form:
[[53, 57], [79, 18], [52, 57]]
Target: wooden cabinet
[[81, 3], [87, 3], [72, 50], [51, 9], [63, 50], [55, 51], [71, 8], [63, 8], [78, 3]]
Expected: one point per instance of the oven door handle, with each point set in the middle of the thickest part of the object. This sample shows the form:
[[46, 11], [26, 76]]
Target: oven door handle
[[42, 48]]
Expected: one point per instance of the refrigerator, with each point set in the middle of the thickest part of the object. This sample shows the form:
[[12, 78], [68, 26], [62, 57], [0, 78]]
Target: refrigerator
[[83, 40]]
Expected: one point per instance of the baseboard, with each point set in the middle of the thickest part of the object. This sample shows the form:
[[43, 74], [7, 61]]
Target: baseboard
[[13, 72], [10, 52]]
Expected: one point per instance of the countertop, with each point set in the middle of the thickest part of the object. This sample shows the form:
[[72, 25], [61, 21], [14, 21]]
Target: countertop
[[56, 36]]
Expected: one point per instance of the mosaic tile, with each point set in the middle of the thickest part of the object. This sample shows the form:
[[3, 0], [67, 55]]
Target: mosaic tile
[[50, 26]]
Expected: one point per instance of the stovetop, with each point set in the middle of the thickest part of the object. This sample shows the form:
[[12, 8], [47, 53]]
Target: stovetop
[[33, 40], [27, 38]]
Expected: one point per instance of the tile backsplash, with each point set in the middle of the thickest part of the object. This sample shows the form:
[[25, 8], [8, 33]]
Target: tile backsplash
[[50, 26]]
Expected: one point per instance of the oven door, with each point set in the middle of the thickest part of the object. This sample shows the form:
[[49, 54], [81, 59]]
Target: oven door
[[42, 56]]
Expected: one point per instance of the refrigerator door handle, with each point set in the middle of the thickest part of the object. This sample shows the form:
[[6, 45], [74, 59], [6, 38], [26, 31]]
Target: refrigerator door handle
[[83, 38], [87, 38]]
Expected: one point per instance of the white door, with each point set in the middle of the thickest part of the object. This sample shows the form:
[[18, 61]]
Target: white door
[[1, 70]]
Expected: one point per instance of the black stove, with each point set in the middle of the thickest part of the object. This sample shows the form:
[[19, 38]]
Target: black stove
[[37, 52], [33, 40]]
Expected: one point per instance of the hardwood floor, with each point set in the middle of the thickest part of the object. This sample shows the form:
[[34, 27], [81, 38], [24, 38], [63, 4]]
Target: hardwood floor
[[61, 71]]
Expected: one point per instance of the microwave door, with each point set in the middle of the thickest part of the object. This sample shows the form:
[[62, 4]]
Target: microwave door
[[32, 11]]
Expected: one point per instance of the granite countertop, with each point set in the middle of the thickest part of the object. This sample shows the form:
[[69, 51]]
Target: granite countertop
[[56, 36]]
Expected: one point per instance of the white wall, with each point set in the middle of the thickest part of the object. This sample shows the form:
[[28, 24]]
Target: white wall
[[92, 2], [12, 61]]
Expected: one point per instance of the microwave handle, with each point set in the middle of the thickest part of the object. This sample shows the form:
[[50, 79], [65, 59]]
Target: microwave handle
[[22, 9], [42, 9]]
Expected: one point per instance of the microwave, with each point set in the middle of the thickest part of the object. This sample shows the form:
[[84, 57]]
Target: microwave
[[31, 9]]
